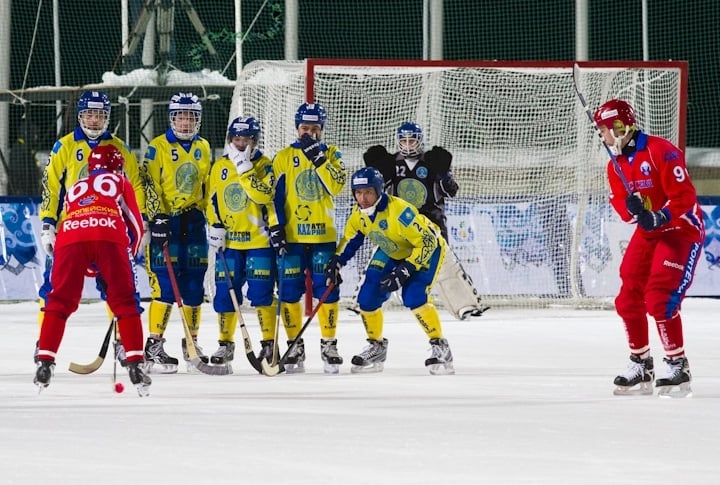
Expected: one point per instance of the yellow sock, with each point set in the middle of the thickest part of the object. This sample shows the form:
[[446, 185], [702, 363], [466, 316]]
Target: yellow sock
[[41, 315], [328, 315], [192, 315], [266, 320], [292, 318], [373, 322], [159, 315], [227, 323], [428, 318]]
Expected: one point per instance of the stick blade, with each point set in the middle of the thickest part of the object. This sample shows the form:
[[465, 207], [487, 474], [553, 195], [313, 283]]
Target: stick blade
[[271, 370], [86, 368], [211, 370]]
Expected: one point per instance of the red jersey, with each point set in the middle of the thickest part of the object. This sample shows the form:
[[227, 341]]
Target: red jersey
[[101, 207], [657, 170]]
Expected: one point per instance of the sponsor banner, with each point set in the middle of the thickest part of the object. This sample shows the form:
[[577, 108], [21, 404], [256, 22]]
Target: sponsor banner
[[22, 260], [508, 249]]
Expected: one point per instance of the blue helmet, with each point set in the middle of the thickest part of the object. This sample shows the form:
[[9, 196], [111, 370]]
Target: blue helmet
[[94, 103], [406, 134], [368, 177], [245, 126], [311, 113], [185, 103]]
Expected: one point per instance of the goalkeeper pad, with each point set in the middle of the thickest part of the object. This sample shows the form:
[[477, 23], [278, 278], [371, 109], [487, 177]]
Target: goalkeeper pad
[[456, 289]]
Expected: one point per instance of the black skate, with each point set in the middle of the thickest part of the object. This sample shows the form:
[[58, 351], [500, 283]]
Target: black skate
[[330, 357], [266, 350], [120, 354], [440, 361], [43, 374], [372, 358], [637, 379], [224, 355], [295, 360], [139, 378], [186, 357], [157, 360], [677, 381]]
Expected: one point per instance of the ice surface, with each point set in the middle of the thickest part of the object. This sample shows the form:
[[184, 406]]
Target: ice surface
[[531, 403]]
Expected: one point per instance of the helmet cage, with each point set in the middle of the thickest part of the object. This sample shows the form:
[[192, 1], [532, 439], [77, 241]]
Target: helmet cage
[[93, 103], [410, 139], [185, 103]]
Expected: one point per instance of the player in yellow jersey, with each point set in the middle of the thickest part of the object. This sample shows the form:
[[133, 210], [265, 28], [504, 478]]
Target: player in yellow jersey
[[240, 209], [308, 174], [68, 164], [410, 252], [175, 171]]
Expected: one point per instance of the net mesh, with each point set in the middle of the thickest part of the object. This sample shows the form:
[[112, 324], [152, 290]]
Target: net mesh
[[531, 223]]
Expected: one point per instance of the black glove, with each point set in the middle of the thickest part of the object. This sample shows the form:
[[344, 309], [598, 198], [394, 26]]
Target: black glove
[[332, 272], [378, 157], [650, 220], [313, 150], [160, 230], [277, 239], [448, 186], [439, 160], [397, 278], [634, 203]]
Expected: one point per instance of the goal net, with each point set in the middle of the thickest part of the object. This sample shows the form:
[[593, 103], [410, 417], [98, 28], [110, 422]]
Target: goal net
[[531, 223]]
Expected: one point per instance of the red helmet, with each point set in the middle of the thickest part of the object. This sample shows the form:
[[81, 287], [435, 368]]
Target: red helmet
[[615, 113], [106, 157]]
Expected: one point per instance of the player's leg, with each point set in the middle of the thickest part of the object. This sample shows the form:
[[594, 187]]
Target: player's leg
[[329, 310], [293, 287], [261, 272], [223, 304], [630, 306]]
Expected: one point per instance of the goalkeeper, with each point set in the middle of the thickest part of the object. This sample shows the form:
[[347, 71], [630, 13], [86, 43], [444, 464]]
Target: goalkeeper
[[425, 179]]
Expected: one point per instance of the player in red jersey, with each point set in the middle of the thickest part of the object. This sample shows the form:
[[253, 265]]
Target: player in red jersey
[[650, 186], [102, 231]]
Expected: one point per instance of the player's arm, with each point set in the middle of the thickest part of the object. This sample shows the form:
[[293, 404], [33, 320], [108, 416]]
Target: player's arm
[[676, 183], [352, 239], [418, 233], [332, 172], [258, 186], [378, 157], [440, 160], [152, 173], [53, 176], [618, 194], [131, 215]]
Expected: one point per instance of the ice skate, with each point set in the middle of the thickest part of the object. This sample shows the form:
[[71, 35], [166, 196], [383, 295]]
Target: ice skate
[[157, 360], [440, 361], [224, 355], [637, 379], [372, 358], [141, 380], [676, 382], [186, 357], [120, 354], [43, 374], [330, 357], [266, 350], [295, 360]]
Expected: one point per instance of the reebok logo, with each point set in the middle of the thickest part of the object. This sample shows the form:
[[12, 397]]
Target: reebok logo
[[70, 225]]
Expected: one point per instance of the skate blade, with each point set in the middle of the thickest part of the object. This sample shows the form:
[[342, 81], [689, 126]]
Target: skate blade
[[642, 389], [441, 369], [677, 392], [331, 368], [298, 368], [155, 368], [368, 369], [143, 390], [41, 386]]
